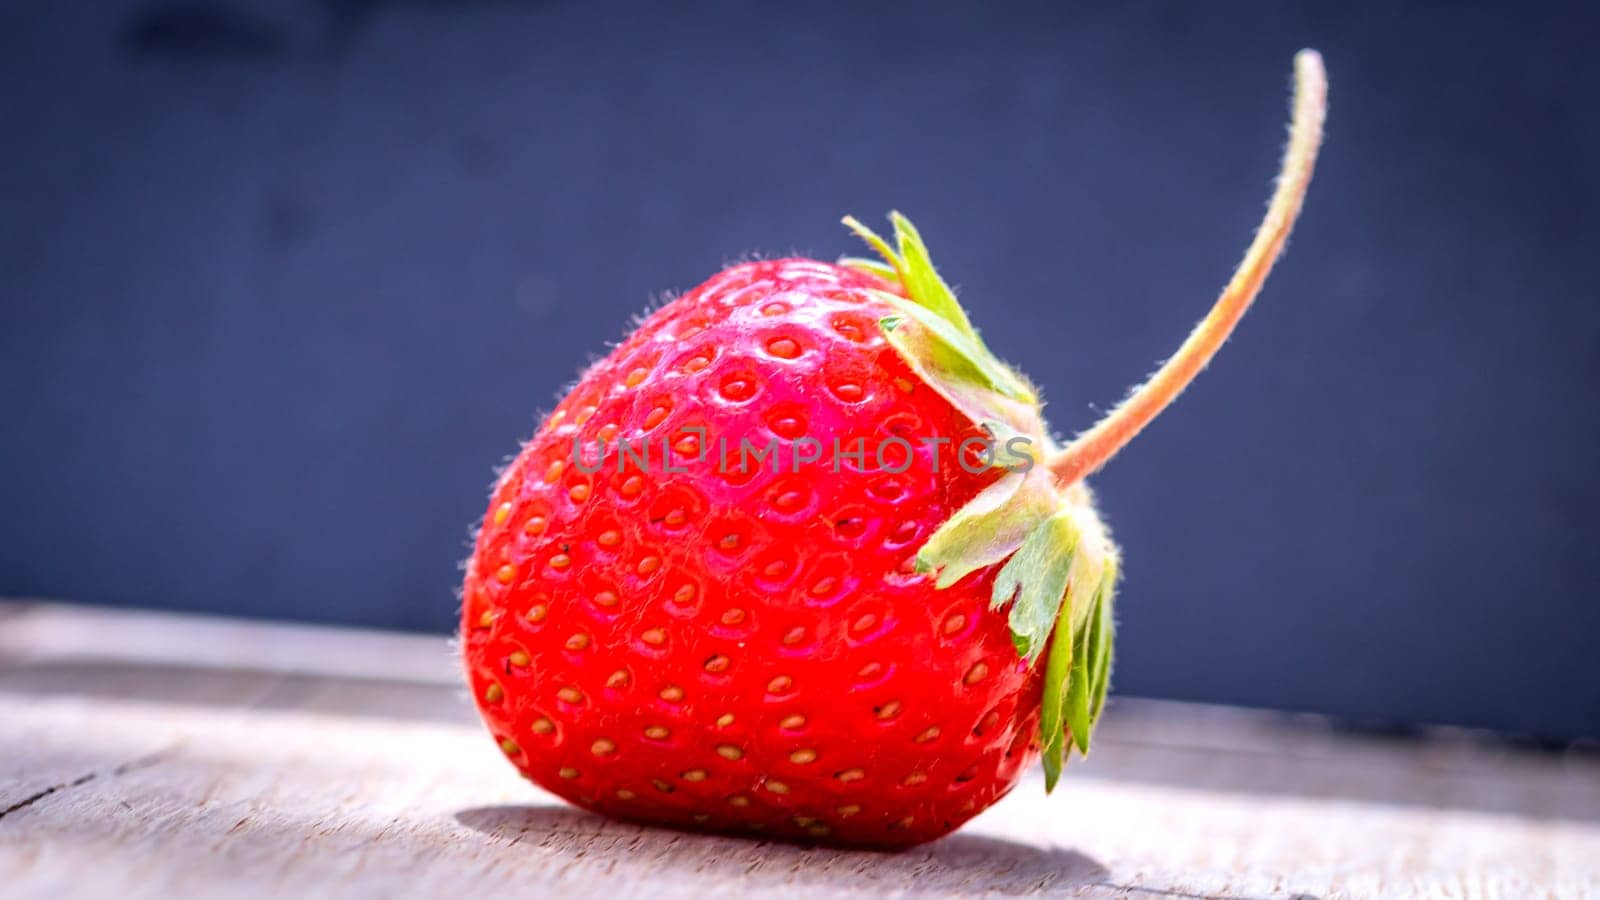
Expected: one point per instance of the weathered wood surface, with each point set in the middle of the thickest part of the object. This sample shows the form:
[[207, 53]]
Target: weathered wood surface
[[160, 756]]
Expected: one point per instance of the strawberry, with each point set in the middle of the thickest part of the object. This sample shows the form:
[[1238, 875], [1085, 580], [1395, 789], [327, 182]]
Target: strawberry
[[801, 557]]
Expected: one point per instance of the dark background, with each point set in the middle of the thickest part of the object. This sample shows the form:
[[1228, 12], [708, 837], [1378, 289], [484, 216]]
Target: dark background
[[281, 283]]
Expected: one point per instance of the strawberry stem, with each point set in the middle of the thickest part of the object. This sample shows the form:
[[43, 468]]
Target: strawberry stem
[[1091, 449]]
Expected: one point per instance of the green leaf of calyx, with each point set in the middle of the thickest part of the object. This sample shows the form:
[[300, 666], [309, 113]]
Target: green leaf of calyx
[[932, 333], [1037, 576], [1077, 668], [1100, 645], [914, 270], [1057, 669], [1091, 664], [954, 351], [1078, 703], [923, 283], [878, 244], [871, 267], [989, 528]]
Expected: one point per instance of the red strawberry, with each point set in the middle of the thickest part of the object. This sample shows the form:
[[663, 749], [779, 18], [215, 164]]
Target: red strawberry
[[781, 561]]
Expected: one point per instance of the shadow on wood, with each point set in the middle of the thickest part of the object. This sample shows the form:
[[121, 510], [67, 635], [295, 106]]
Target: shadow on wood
[[958, 865]]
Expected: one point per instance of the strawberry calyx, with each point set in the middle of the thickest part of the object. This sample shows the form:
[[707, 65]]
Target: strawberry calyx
[[1058, 567], [1057, 564]]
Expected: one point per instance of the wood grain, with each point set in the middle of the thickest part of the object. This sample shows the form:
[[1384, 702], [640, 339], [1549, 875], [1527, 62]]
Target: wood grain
[[166, 756]]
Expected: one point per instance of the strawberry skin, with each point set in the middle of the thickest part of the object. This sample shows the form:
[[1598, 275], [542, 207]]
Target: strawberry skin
[[748, 649]]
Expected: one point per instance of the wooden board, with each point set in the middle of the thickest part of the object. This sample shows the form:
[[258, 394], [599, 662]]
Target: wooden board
[[146, 755]]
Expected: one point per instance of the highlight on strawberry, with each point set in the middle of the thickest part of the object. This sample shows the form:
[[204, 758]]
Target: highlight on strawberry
[[801, 556]]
